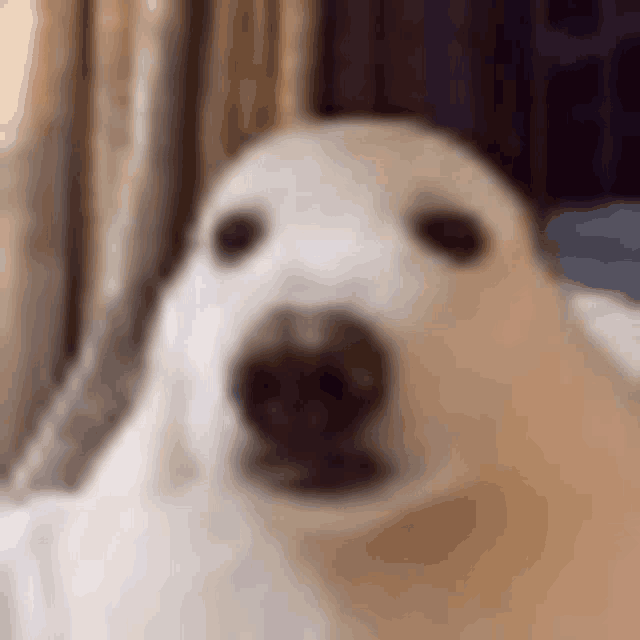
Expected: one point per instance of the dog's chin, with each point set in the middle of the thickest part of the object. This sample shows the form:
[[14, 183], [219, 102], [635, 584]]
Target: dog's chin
[[431, 528]]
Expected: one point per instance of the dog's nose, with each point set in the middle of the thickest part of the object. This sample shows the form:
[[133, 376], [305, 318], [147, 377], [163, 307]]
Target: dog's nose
[[311, 390]]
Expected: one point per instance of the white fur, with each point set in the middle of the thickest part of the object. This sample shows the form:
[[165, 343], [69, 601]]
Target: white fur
[[168, 540]]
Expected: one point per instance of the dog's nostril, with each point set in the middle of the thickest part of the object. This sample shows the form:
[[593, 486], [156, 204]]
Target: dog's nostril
[[309, 411], [264, 387], [332, 385]]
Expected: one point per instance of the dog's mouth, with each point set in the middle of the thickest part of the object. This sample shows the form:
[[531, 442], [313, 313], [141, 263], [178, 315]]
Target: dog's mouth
[[310, 396]]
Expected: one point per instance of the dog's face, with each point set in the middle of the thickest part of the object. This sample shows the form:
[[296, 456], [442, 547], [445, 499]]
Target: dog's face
[[365, 415]]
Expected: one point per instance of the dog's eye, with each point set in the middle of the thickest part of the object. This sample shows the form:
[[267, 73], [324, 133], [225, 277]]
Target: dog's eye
[[457, 235], [235, 237]]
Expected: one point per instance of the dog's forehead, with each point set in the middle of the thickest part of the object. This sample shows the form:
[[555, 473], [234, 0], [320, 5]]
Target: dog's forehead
[[383, 169]]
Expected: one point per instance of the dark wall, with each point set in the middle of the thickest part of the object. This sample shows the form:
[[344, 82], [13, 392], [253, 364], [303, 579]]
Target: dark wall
[[548, 89]]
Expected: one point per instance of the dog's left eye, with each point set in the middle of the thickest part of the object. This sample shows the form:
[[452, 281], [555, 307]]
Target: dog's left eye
[[234, 237], [456, 235]]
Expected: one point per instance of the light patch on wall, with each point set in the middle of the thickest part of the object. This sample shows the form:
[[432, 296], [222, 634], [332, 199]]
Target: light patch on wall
[[17, 25], [615, 326]]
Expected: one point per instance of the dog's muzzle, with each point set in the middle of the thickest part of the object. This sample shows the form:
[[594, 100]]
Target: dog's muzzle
[[311, 390]]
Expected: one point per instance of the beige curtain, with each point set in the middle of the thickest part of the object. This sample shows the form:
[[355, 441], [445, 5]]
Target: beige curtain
[[130, 110], [39, 76]]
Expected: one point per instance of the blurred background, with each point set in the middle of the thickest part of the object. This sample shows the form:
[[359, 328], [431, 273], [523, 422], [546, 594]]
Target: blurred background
[[116, 114]]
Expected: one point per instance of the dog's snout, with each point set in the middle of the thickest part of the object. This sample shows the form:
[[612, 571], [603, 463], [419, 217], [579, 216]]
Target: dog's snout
[[309, 396]]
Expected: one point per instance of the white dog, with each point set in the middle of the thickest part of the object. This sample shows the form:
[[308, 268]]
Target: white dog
[[366, 414]]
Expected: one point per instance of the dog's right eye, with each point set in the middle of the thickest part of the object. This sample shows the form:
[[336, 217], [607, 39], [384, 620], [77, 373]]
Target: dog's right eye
[[236, 236]]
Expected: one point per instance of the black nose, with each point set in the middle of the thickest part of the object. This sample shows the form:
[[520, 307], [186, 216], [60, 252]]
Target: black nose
[[310, 390]]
